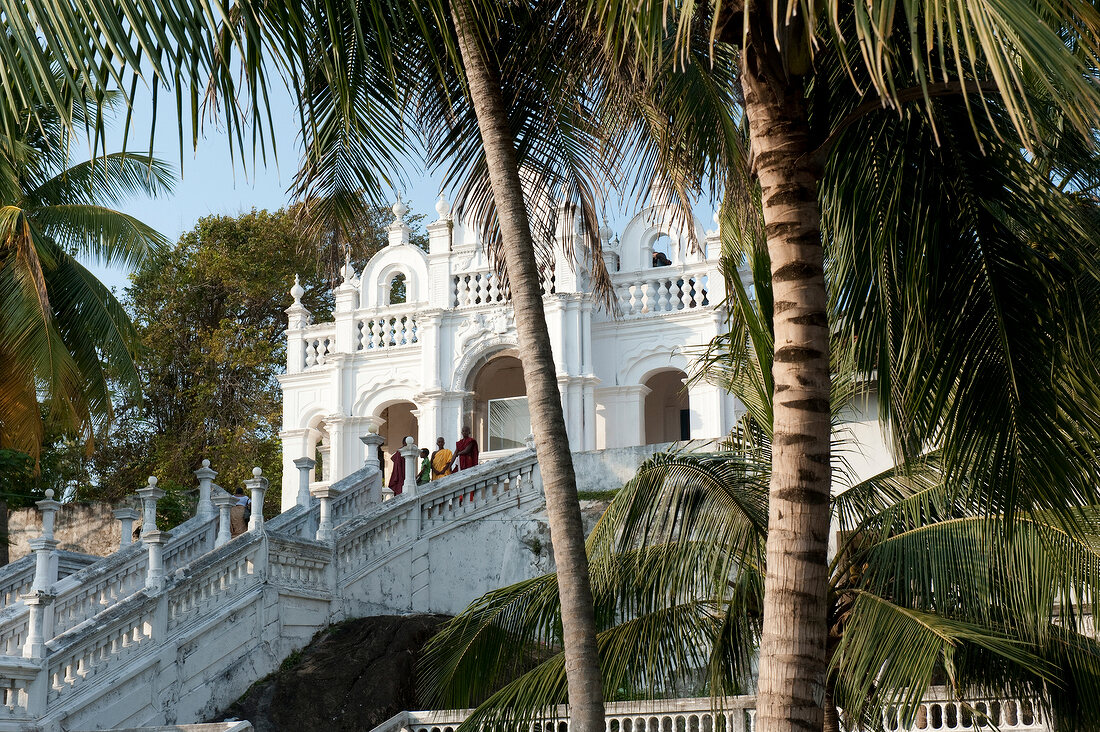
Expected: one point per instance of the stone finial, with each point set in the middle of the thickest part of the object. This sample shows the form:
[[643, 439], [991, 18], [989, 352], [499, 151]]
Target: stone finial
[[258, 487], [205, 476], [48, 507], [297, 291], [442, 207], [399, 209], [529, 441], [149, 495], [224, 502]]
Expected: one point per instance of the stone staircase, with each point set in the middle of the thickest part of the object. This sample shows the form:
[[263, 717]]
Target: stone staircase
[[173, 628]]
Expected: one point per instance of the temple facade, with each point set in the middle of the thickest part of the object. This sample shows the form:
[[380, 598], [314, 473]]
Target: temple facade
[[422, 343]]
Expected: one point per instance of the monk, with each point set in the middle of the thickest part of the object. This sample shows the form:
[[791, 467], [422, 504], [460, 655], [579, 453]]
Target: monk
[[397, 473], [465, 451], [441, 459]]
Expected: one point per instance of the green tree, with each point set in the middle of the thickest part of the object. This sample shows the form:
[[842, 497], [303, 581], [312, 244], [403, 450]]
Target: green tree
[[927, 586], [210, 322]]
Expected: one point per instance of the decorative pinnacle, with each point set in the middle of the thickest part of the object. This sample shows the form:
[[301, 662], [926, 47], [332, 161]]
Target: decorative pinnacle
[[152, 481], [206, 463], [297, 291], [442, 207], [409, 441], [257, 472], [49, 494], [399, 209]]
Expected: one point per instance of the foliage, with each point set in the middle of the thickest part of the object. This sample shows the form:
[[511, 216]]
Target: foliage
[[209, 315], [62, 332], [927, 586]]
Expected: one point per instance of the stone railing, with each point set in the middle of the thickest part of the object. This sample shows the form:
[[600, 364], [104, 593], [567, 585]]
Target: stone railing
[[388, 328], [938, 711], [119, 642], [485, 288], [320, 340], [16, 578], [663, 290]]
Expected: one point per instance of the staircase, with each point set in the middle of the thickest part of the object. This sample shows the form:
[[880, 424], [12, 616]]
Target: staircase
[[170, 631]]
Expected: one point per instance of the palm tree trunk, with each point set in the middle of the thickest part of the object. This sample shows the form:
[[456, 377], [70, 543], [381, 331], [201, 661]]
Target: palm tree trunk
[[792, 649], [539, 375]]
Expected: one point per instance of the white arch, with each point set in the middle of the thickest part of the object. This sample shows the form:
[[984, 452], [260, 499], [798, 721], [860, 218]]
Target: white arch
[[406, 259], [475, 357], [641, 365], [371, 401], [636, 247]]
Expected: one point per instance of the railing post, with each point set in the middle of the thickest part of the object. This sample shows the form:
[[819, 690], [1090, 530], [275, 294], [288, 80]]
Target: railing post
[[258, 487], [45, 571], [126, 516], [410, 452], [224, 501], [298, 319], [149, 495], [37, 603], [205, 509], [325, 493], [372, 441], [304, 465]]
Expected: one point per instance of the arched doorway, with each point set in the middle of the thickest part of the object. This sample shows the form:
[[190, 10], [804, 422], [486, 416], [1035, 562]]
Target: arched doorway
[[667, 411], [398, 422], [498, 415]]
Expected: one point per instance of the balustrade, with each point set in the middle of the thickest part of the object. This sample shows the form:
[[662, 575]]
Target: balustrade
[[299, 565], [221, 576], [662, 290], [475, 289], [388, 330], [952, 714], [319, 342]]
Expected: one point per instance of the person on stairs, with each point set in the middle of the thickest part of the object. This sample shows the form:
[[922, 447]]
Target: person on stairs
[[441, 459], [425, 473], [397, 473], [465, 451]]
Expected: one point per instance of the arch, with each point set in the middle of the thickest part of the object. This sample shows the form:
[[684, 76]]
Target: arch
[[375, 397], [646, 229], [378, 275], [497, 411], [667, 407], [477, 353], [398, 420], [648, 359]]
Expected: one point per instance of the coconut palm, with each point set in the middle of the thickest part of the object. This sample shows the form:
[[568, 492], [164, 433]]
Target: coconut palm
[[63, 334], [926, 586]]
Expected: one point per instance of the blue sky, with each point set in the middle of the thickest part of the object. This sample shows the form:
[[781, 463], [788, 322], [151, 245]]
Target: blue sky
[[212, 183]]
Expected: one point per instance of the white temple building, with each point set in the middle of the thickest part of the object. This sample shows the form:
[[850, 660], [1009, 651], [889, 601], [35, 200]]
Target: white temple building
[[445, 355]]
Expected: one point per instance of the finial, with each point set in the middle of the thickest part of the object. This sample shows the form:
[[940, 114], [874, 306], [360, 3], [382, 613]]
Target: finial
[[297, 291], [399, 209], [206, 463], [152, 481], [442, 207], [347, 271], [49, 494], [372, 429], [256, 472], [605, 232], [409, 441]]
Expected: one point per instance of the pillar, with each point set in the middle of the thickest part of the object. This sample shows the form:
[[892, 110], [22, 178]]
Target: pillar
[[37, 603], [298, 319], [45, 571], [126, 516], [205, 509], [324, 493], [155, 540], [410, 452], [325, 451], [149, 495], [258, 487], [371, 441], [304, 465], [224, 501]]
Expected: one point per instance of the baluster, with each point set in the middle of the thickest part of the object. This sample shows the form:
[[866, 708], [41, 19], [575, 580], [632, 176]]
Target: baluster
[[663, 295]]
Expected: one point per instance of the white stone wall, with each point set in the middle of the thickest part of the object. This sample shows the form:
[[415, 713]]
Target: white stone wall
[[88, 528]]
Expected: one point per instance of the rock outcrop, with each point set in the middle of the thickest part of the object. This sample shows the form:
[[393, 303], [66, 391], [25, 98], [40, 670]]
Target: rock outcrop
[[353, 676]]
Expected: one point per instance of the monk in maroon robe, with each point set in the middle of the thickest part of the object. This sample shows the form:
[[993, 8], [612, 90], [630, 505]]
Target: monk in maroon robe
[[465, 451], [397, 474]]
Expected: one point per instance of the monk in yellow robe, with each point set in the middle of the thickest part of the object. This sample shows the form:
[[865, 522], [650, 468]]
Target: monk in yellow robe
[[441, 460]]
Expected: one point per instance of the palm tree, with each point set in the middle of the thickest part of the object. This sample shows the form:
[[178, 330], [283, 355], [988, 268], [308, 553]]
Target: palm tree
[[64, 334], [926, 586]]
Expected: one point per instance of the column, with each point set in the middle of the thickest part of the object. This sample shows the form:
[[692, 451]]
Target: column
[[410, 452], [325, 452], [126, 516], [304, 466], [343, 313], [325, 493], [224, 501], [205, 509], [37, 603], [149, 495], [298, 319], [258, 487], [155, 540], [295, 444], [371, 441], [45, 571], [622, 409]]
